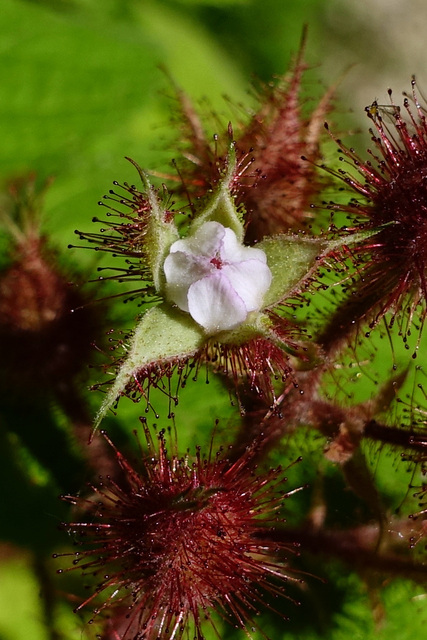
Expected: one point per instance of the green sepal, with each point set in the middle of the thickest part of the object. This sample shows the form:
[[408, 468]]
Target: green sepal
[[256, 325], [290, 259], [160, 234], [221, 208], [163, 333]]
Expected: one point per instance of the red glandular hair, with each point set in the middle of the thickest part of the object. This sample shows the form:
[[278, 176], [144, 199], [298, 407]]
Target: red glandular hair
[[273, 184], [178, 538], [259, 366], [391, 199], [123, 235]]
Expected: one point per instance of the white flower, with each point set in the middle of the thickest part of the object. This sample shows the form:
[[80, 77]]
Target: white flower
[[217, 280]]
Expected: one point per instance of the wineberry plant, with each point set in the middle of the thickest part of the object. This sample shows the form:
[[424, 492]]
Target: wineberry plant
[[258, 455]]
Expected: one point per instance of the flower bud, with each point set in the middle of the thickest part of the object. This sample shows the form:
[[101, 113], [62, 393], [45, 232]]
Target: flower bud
[[391, 191], [180, 537], [45, 332]]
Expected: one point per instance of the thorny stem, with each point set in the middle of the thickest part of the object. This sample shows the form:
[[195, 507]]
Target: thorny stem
[[302, 406], [345, 429], [362, 547]]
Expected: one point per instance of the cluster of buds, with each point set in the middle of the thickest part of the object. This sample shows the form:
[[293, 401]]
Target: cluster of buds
[[214, 296], [221, 279]]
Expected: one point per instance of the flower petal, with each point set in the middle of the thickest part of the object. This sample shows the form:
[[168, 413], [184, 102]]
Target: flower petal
[[207, 241], [181, 270], [215, 278], [233, 251], [250, 279], [214, 304]]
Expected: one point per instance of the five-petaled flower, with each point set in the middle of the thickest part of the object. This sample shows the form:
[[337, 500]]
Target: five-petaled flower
[[215, 278], [213, 300]]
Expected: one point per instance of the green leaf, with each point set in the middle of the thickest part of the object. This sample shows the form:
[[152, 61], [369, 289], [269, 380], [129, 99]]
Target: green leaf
[[21, 614], [163, 334], [83, 89]]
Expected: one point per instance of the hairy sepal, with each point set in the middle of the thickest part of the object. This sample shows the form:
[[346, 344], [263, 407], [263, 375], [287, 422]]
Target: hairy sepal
[[221, 207], [162, 334], [257, 325], [290, 259], [161, 232]]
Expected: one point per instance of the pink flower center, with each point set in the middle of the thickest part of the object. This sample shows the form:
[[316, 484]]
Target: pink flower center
[[217, 262]]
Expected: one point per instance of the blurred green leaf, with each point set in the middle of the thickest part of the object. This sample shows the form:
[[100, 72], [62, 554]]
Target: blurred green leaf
[[20, 607], [81, 90]]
